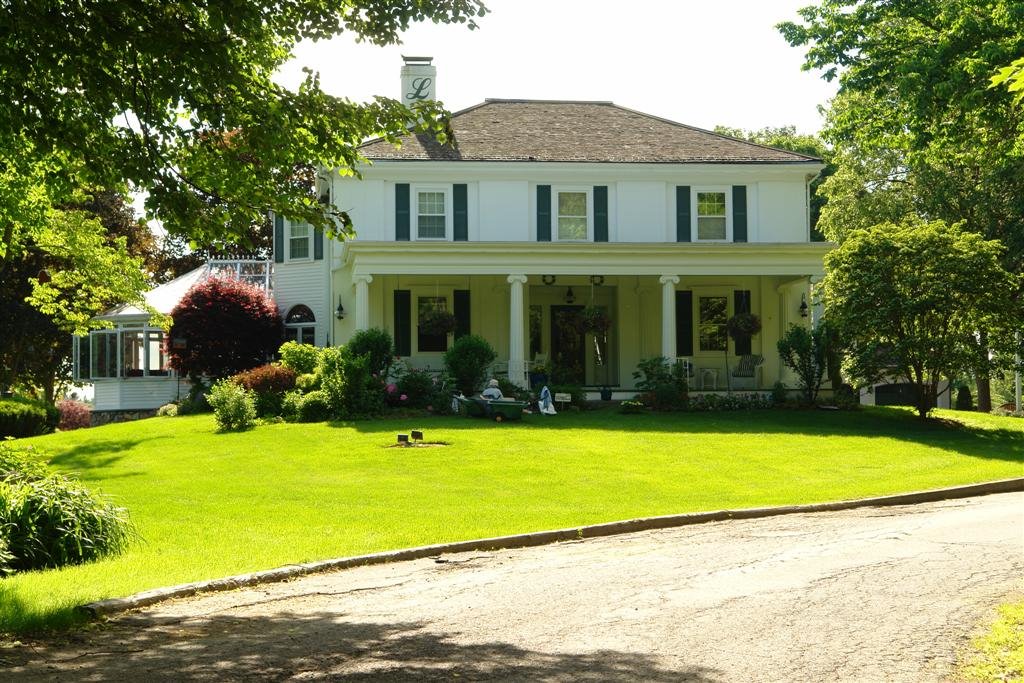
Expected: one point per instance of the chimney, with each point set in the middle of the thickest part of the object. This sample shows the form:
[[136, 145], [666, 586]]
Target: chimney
[[419, 78]]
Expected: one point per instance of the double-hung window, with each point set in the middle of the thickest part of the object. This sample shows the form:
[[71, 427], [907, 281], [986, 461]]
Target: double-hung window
[[572, 215], [299, 237], [712, 215], [431, 214], [711, 329]]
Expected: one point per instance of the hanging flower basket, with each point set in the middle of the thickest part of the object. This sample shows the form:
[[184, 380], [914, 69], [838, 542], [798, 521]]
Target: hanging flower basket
[[743, 325], [595, 321], [437, 321]]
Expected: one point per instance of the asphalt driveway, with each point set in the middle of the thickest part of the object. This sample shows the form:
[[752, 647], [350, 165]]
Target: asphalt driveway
[[875, 594]]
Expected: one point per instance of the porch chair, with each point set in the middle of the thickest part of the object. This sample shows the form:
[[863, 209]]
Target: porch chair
[[748, 368]]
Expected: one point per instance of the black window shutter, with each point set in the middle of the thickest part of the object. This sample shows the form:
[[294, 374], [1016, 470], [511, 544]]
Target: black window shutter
[[460, 302], [403, 322], [684, 323], [318, 244], [682, 213], [741, 304], [402, 212], [600, 213], [278, 239], [739, 213], [543, 213], [460, 220]]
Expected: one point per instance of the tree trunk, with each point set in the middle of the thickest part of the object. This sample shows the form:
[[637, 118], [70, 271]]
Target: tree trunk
[[982, 375]]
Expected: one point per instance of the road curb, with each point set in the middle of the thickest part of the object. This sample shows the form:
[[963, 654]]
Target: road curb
[[145, 598]]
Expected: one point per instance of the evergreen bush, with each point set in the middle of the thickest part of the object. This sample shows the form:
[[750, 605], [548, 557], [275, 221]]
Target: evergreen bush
[[301, 358], [467, 360], [21, 417], [234, 406], [315, 407], [378, 345]]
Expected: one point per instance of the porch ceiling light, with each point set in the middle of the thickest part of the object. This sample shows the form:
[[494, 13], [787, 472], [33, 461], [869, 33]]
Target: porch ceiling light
[[339, 312], [569, 296], [803, 305], [548, 279]]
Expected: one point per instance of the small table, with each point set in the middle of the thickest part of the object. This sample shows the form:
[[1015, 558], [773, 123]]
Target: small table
[[709, 372]]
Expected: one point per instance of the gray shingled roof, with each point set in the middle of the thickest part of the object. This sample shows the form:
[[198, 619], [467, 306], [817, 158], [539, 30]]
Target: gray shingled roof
[[542, 130]]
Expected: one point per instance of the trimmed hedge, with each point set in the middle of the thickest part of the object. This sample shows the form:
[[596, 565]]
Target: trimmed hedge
[[20, 417]]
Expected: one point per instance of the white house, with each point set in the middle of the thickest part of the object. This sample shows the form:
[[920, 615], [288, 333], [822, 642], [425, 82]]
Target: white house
[[538, 208], [534, 211]]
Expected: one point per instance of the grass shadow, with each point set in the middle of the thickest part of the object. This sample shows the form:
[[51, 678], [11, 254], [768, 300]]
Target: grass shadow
[[90, 458], [894, 423], [288, 645]]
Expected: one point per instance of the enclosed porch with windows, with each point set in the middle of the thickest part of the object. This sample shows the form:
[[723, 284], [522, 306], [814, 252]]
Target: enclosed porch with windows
[[581, 322]]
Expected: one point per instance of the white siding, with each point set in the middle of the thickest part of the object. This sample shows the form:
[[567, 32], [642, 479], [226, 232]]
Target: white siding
[[306, 283], [504, 210], [137, 393], [780, 210], [641, 215]]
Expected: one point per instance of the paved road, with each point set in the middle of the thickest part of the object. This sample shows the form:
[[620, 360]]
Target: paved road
[[865, 595]]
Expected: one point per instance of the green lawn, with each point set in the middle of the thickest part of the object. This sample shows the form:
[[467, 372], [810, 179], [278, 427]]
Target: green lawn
[[210, 505], [998, 654]]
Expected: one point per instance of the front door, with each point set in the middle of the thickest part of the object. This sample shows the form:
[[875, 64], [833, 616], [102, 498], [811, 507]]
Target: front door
[[568, 352]]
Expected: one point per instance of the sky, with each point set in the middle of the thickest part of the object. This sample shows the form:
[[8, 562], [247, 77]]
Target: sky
[[701, 63]]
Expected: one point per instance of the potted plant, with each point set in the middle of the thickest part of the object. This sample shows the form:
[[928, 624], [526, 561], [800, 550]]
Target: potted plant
[[539, 374], [437, 321], [595, 321], [743, 325]]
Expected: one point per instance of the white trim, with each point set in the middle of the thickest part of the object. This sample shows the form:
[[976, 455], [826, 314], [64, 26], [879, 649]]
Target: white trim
[[588, 190], [414, 212], [722, 189]]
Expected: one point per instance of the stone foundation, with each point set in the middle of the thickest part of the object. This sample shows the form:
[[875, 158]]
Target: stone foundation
[[102, 417]]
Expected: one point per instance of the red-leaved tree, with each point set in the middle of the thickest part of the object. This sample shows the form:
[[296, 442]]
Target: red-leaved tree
[[221, 327]]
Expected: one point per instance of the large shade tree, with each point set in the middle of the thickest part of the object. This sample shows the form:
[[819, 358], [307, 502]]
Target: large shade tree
[[909, 300], [179, 99], [916, 128]]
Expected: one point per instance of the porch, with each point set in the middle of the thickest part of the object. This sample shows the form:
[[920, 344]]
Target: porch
[[533, 318]]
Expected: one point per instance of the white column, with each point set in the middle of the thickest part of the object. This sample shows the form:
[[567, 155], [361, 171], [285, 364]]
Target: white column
[[1016, 380], [668, 315], [817, 306], [363, 301], [516, 347]]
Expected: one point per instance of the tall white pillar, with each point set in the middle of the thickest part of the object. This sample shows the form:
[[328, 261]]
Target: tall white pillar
[[516, 345], [363, 301], [668, 315], [817, 305]]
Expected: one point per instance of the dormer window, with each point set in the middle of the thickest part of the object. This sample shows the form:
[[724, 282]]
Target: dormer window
[[431, 214]]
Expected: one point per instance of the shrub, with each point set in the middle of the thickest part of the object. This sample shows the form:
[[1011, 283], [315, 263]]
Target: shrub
[[73, 414], [308, 382], [168, 410], [846, 397], [315, 407], [467, 360], [227, 326], [579, 397], [804, 351], [301, 358], [418, 386], [663, 383], [20, 417], [963, 399], [291, 404], [632, 407], [779, 393], [718, 402], [51, 520], [268, 384], [234, 406], [510, 390], [352, 390], [377, 345]]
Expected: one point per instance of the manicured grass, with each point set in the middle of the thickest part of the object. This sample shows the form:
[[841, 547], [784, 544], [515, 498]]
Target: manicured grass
[[211, 505], [998, 655]]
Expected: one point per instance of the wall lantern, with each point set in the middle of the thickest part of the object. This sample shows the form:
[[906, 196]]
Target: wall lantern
[[569, 296], [339, 312], [803, 305]]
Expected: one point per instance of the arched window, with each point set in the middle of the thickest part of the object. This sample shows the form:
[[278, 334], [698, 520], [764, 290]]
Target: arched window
[[300, 325]]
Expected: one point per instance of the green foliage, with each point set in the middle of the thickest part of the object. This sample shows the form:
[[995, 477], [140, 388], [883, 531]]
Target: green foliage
[[743, 325], [1012, 77], [352, 390], [315, 407], [309, 382], [234, 407], [846, 398], [713, 403], [663, 383], [20, 417], [632, 407], [417, 386], [268, 383], [804, 352], [579, 397], [219, 148], [910, 299], [291, 404], [510, 390], [998, 654], [50, 520], [467, 360], [168, 410], [963, 399], [377, 345], [779, 393], [301, 358]]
